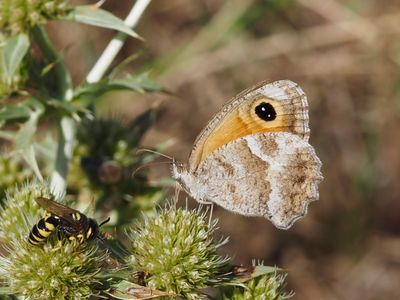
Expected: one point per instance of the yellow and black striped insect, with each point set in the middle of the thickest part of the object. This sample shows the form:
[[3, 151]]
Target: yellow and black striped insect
[[69, 222]]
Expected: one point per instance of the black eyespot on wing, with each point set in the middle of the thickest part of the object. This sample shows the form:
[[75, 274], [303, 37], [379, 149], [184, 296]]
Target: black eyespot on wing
[[265, 111]]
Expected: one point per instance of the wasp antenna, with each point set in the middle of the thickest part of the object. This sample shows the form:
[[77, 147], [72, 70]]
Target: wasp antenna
[[154, 152], [105, 221]]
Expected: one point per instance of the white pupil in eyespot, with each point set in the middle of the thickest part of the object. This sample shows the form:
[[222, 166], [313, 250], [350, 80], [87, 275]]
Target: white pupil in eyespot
[[264, 109]]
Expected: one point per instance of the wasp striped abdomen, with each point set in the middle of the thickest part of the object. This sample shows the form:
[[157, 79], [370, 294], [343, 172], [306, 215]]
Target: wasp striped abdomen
[[42, 229], [68, 222]]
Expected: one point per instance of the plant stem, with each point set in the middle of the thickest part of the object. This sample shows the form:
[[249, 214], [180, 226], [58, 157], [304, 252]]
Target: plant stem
[[68, 125], [64, 82], [66, 142], [109, 54]]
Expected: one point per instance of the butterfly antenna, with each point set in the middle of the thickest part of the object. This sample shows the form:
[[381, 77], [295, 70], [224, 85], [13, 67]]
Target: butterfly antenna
[[154, 152], [172, 160], [153, 164]]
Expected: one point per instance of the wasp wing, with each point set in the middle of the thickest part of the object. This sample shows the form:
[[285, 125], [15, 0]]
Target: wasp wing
[[62, 211]]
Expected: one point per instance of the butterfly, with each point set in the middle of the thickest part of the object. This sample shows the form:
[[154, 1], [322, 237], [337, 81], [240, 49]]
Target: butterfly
[[253, 157]]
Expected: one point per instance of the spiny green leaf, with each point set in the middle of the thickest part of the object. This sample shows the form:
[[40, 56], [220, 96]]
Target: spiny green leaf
[[23, 109], [13, 53], [241, 274], [71, 108], [92, 15], [140, 83], [5, 290], [125, 290], [29, 155], [263, 270], [7, 135], [137, 83], [118, 68], [26, 132], [18, 111]]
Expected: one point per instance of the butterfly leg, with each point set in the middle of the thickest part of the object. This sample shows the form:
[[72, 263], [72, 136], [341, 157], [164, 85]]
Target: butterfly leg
[[178, 189], [211, 204], [211, 213]]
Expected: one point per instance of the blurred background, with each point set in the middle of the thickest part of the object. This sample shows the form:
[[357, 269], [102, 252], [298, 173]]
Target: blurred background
[[346, 57]]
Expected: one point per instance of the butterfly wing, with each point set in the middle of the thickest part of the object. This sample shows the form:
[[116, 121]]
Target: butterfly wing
[[274, 175], [279, 106]]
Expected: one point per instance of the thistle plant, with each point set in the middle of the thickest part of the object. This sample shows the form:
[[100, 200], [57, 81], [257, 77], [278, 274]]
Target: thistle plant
[[266, 287], [177, 252], [55, 271], [18, 16], [58, 270], [19, 211], [13, 172], [172, 252], [103, 163]]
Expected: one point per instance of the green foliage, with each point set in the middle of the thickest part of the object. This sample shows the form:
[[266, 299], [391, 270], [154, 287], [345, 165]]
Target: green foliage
[[11, 56], [98, 17], [176, 251], [61, 271], [266, 287], [19, 15], [19, 211], [104, 161], [173, 250], [13, 172]]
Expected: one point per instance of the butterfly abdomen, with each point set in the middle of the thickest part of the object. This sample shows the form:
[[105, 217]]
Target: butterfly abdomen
[[43, 229]]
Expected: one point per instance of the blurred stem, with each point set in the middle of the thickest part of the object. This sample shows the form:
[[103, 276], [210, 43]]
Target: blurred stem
[[109, 54], [64, 82], [64, 155], [67, 125]]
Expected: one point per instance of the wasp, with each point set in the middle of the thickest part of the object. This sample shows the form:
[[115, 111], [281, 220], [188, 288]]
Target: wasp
[[69, 222]]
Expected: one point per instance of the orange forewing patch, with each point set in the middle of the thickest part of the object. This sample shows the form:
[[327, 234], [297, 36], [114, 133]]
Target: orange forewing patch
[[240, 122]]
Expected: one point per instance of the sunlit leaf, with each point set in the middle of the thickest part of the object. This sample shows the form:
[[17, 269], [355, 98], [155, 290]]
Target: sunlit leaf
[[14, 51], [67, 107], [259, 271], [240, 274], [91, 15], [140, 83], [118, 68], [7, 135], [136, 83], [5, 290], [125, 290], [24, 136], [18, 111], [29, 155]]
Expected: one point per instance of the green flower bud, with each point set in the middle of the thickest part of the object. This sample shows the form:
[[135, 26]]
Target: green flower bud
[[265, 287], [19, 15], [54, 270], [177, 252], [58, 271], [13, 172], [20, 210]]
